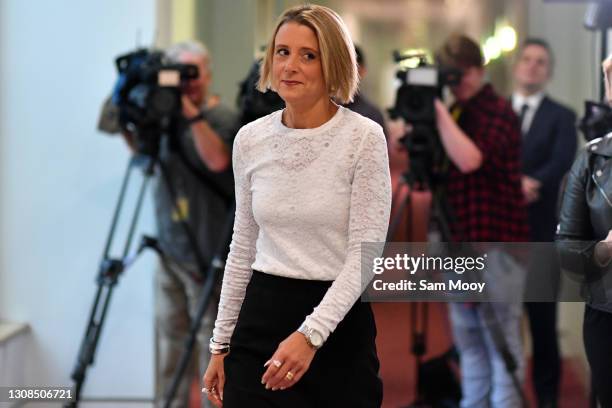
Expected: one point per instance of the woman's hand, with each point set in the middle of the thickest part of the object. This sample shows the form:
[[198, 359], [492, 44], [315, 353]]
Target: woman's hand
[[214, 380], [289, 363]]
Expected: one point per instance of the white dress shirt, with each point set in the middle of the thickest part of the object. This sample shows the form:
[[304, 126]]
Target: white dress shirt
[[532, 102]]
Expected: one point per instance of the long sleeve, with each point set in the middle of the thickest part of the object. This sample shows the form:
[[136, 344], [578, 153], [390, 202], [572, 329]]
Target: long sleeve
[[578, 237], [242, 249], [575, 236], [370, 204], [306, 200]]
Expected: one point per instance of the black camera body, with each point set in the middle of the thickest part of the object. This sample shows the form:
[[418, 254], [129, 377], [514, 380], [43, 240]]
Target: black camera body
[[414, 103], [418, 90], [148, 96], [252, 103]]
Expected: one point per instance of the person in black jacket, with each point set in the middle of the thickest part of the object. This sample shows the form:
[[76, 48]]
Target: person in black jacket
[[361, 104], [548, 150], [584, 239]]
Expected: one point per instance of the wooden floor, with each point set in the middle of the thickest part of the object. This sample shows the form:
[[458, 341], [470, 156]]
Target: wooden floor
[[397, 366]]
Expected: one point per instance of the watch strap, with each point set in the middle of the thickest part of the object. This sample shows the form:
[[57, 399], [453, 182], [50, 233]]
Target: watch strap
[[197, 118], [308, 332]]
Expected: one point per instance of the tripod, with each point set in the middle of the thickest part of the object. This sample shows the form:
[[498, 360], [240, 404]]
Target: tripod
[[419, 180], [214, 273], [419, 311], [111, 269]]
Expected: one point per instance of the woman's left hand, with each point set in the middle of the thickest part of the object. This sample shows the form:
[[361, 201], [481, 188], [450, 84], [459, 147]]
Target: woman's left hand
[[289, 362]]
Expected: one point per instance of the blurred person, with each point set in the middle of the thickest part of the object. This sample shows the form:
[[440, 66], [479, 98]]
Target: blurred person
[[483, 190], [207, 144], [197, 163], [202, 152], [360, 103], [584, 236], [548, 150], [312, 184]]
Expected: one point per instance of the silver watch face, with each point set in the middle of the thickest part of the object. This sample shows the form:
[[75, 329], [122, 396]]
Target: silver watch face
[[315, 338]]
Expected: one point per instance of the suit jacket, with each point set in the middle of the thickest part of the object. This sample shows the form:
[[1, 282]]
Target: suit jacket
[[364, 107], [548, 151]]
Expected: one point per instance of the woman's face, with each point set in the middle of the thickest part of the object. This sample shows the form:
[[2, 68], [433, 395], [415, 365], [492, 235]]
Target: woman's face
[[297, 73]]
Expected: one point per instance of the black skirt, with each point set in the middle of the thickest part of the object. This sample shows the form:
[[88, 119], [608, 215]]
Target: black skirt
[[344, 371]]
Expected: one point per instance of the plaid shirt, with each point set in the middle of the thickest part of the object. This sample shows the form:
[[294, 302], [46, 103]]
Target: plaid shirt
[[488, 204]]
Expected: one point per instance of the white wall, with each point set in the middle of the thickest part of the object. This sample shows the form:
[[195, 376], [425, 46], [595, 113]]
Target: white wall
[[576, 50], [59, 179]]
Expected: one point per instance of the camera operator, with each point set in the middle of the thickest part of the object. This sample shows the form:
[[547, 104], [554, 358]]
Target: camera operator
[[481, 137], [584, 237], [202, 153], [549, 145], [206, 143]]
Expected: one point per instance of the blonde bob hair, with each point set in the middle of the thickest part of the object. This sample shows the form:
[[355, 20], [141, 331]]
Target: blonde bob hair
[[337, 51]]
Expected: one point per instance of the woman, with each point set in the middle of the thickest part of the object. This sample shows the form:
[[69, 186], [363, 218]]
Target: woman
[[312, 184], [584, 238]]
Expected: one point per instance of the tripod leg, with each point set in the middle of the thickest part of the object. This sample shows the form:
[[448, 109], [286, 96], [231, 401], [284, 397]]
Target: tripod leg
[[107, 278], [419, 316], [89, 343], [399, 213], [135, 217], [212, 280], [493, 326], [118, 207], [441, 214]]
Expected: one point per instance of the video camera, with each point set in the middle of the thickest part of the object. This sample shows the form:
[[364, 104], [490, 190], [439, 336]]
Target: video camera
[[148, 96], [414, 103], [252, 103]]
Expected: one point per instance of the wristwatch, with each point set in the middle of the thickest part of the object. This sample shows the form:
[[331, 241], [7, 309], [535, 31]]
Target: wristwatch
[[200, 116], [313, 337]]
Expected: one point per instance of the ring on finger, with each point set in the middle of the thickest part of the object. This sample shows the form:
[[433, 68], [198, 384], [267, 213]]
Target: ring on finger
[[277, 363], [289, 375]]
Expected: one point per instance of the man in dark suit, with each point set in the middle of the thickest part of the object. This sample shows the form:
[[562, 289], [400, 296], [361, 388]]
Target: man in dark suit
[[361, 104], [548, 149]]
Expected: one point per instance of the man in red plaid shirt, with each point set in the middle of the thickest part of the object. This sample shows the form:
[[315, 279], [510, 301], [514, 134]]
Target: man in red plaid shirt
[[481, 137], [484, 180]]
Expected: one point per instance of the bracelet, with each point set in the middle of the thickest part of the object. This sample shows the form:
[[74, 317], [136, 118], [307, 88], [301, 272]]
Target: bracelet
[[218, 348]]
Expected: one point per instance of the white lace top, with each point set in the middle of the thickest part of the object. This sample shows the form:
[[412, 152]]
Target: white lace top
[[305, 201]]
